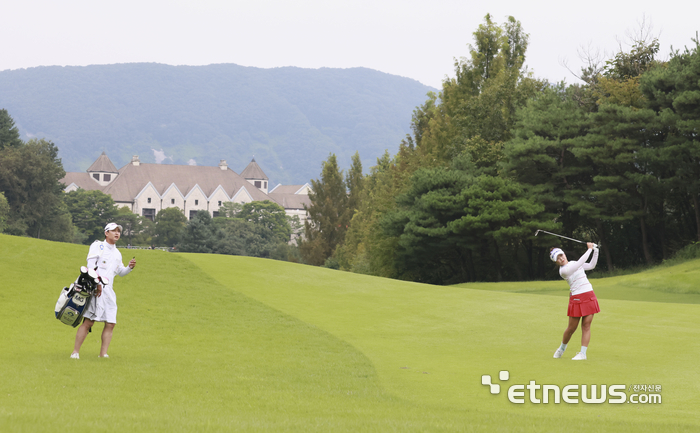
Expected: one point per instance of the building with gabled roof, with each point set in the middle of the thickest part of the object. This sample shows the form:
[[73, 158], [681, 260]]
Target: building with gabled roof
[[293, 198], [254, 174], [148, 188]]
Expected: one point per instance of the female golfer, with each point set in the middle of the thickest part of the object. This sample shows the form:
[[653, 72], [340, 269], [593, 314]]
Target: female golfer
[[582, 301]]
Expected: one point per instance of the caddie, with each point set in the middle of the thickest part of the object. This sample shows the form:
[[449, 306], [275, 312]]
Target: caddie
[[106, 257]]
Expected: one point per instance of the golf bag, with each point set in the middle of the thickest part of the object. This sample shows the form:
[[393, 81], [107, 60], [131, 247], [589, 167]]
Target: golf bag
[[74, 300]]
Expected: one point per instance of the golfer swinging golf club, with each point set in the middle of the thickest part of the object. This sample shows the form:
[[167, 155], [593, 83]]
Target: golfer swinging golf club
[[583, 303], [106, 257]]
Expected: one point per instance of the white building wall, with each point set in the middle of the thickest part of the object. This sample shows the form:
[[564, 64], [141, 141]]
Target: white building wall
[[217, 199], [242, 196], [173, 198], [148, 199], [195, 200], [263, 184]]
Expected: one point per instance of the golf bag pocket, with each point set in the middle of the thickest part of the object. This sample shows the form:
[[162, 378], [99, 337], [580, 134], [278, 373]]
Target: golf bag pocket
[[62, 300], [74, 301], [71, 305]]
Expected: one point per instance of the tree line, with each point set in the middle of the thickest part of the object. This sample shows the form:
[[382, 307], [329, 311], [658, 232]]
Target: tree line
[[492, 157], [33, 203], [498, 154]]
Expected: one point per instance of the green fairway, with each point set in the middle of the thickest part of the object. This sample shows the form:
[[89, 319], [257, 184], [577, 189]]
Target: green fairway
[[224, 343], [675, 284]]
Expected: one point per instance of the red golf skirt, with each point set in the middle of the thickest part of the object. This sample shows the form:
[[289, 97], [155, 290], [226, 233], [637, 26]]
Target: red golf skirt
[[584, 304]]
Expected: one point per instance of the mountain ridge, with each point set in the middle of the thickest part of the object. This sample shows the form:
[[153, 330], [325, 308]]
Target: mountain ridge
[[290, 119]]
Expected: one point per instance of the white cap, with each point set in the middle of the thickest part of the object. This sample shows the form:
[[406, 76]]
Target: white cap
[[555, 253], [111, 226]]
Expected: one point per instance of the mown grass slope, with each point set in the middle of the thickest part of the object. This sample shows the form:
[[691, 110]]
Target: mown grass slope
[[216, 343], [676, 283]]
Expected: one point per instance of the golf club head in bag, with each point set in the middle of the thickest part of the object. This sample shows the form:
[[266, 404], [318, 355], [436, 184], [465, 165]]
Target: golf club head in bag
[[75, 299]]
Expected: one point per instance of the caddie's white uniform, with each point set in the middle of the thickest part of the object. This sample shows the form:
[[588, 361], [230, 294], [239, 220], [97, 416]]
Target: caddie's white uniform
[[109, 264]]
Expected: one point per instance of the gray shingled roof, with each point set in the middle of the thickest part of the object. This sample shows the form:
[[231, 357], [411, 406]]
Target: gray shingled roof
[[253, 171], [132, 179], [103, 164], [286, 189], [82, 180], [291, 201]]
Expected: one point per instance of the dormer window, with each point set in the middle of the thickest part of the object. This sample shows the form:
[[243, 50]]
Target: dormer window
[[258, 184], [96, 176], [107, 177]]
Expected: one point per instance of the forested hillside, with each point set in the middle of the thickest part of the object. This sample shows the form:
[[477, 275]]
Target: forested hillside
[[499, 154], [289, 119]]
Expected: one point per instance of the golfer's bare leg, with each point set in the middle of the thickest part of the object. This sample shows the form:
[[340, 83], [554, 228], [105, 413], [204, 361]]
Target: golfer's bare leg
[[81, 334], [586, 330], [106, 338], [573, 324]]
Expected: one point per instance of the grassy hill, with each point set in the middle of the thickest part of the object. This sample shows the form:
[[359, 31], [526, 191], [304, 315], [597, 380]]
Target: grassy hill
[[290, 119], [214, 343]]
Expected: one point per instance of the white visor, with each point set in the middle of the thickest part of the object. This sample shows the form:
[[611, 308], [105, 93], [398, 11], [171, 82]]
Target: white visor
[[555, 253], [111, 226]]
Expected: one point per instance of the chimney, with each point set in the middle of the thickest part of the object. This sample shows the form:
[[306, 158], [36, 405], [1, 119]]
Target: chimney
[[135, 161], [223, 165]]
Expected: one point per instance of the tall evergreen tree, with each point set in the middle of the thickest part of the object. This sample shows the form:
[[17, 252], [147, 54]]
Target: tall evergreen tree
[[4, 211], [354, 180], [200, 235], [673, 91], [328, 218], [9, 134]]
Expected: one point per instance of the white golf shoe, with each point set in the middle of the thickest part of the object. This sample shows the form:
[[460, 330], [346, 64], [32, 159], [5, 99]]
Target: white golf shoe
[[106, 356], [558, 353], [579, 357], [74, 356]]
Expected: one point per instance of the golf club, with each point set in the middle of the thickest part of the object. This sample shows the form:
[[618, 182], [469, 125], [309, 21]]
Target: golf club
[[560, 236]]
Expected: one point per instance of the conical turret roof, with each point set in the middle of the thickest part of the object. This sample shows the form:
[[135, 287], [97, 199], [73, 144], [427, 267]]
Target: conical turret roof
[[103, 164], [253, 171]]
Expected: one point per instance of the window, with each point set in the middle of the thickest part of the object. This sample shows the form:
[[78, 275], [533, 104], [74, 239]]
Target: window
[[196, 202], [149, 213], [192, 213], [149, 199], [96, 176], [216, 214], [107, 177], [219, 202], [265, 184], [258, 184], [172, 201]]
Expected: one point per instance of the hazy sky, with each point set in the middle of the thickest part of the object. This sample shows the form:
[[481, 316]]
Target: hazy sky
[[415, 39]]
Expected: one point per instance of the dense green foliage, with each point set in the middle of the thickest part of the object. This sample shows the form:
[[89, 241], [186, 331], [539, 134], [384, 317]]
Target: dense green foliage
[[4, 211], [288, 118], [334, 200], [497, 155], [9, 134], [257, 229], [90, 211], [169, 223], [29, 179]]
